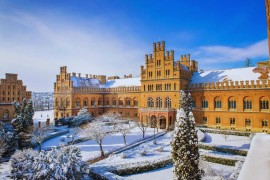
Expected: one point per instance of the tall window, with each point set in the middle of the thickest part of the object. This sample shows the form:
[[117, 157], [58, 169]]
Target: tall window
[[92, 102], [77, 103], [135, 103], [168, 102], [232, 121], [114, 102], [120, 103], [204, 103], [158, 74], [265, 123], [168, 87], [158, 63], [100, 102], [167, 73], [107, 102], [127, 102], [159, 103], [193, 103], [150, 87], [247, 122], [150, 75], [218, 103], [247, 103], [85, 103], [150, 102], [204, 120], [159, 87], [218, 120], [232, 103], [264, 103]]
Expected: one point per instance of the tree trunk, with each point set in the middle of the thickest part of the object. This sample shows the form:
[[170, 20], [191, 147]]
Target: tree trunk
[[101, 150], [39, 147], [125, 139], [143, 134]]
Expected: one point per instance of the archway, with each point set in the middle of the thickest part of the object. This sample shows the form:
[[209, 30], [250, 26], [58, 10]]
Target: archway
[[162, 122], [153, 121]]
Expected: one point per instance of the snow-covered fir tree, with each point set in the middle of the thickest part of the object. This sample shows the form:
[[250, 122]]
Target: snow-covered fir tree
[[185, 152], [8, 137], [23, 122]]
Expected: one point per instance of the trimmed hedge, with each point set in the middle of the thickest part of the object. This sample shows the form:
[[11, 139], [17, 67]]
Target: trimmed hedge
[[144, 168], [228, 162], [228, 132], [224, 150]]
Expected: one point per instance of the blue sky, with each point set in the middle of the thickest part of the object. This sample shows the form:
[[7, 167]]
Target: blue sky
[[111, 37]]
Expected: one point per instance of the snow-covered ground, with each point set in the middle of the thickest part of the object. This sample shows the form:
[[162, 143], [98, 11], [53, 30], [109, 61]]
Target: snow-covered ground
[[43, 115], [90, 149], [231, 141], [257, 162]]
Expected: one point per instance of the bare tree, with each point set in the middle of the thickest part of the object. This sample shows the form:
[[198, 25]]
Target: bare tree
[[96, 131], [39, 134], [124, 129], [143, 126]]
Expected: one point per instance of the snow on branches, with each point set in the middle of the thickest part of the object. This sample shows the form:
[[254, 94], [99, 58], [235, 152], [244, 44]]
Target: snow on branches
[[185, 152]]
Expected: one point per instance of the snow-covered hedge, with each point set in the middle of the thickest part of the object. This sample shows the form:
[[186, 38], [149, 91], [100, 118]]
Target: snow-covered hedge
[[62, 163], [219, 160], [228, 132], [224, 150]]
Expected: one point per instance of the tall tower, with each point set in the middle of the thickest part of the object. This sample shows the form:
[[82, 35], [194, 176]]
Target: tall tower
[[267, 4]]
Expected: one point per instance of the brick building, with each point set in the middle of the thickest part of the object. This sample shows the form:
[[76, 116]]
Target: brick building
[[11, 89]]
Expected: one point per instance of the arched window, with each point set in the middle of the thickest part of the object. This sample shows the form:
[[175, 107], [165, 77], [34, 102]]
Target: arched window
[[56, 102], [159, 102], [107, 102], [135, 103], [120, 103], [204, 103], [264, 103], [168, 102], [100, 102], [77, 103], [113, 102], [232, 103], [93, 102], [6, 114], [218, 103], [85, 102], [127, 102], [247, 103], [150, 102]]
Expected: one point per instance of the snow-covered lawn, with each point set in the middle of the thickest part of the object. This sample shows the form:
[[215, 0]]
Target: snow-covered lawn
[[90, 149], [231, 141], [43, 115]]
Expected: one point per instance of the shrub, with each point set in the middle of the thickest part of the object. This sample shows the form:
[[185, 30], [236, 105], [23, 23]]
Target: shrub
[[123, 155], [143, 152], [21, 163], [159, 149], [62, 163]]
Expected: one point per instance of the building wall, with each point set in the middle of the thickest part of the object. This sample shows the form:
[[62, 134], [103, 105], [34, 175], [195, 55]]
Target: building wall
[[11, 89], [157, 98]]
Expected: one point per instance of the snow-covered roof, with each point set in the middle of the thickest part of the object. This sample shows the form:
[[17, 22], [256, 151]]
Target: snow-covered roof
[[238, 74], [85, 82], [94, 83], [123, 82]]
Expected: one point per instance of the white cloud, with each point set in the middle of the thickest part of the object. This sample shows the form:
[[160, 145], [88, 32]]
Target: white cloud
[[214, 55], [35, 49]]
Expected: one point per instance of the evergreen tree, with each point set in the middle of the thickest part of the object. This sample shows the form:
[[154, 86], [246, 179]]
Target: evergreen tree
[[185, 151], [23, 122]]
